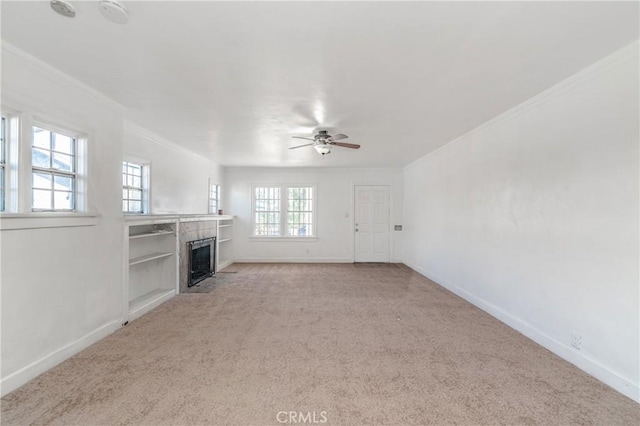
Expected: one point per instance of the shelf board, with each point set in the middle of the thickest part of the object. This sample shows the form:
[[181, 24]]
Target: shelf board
[[148, 299], [150, 234], [224, 226], [147, 258], [223, 240]]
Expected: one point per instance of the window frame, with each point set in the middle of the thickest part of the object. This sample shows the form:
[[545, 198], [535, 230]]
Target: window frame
[[18, 212], [73, 175], [145, 181], [283, 211], [3, 161], [217, 199]]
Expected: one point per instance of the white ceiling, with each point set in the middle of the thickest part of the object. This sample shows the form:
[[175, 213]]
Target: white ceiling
[[234, 81]]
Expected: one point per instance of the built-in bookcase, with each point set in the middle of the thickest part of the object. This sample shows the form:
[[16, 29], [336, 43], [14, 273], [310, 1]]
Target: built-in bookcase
[[224, 249], [151, 269]]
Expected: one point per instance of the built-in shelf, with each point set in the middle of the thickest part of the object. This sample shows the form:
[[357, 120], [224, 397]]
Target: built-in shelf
[[148, 299], [148, 257], [150, 234], [225, 235], [150, 263]]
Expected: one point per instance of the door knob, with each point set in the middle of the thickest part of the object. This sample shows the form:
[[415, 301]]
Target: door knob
[[356, 229]]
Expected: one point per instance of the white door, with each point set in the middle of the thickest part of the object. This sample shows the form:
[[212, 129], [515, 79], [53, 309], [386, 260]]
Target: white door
[[371, 224]]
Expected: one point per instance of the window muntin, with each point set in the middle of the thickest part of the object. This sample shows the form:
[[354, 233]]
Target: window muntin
[[133, 188], [284, 211], [3, 163], [214, 198], [53, 171]]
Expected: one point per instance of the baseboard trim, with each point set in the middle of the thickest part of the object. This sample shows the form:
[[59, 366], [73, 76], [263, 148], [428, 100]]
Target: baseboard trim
[[583, 362], [14, 380], [293, 260]]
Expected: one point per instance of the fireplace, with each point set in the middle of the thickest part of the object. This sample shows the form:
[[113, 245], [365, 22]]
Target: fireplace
[[201, 255]]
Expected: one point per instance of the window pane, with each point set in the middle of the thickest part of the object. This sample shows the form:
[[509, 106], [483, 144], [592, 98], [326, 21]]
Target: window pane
[[2, 192], [41, 199], [42, 180], [63, 183], [41, 158], [299, 217], [63, 200], [62, 143], [2, 140], [63, 162], [41, 138], [135, 194], [133, 188]]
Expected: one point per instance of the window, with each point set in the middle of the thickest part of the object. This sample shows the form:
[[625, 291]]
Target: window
[[214, 198], [3, 163], [299, 211], [267, 212], [134, 188], [284, 211], [53, 160]]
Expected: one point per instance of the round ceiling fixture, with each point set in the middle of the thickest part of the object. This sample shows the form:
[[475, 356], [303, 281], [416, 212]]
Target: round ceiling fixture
[[64, 8], [114, 11]]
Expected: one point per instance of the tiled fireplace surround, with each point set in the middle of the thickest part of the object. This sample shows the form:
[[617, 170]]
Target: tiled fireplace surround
[[189, 231]]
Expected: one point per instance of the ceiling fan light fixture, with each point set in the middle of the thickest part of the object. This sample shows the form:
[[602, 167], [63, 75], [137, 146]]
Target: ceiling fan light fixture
[[323, 149], [113, 11], [64, 8]]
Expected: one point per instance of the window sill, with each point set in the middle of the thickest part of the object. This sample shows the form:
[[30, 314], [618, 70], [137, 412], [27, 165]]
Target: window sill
[[36, 220], [278, 239]]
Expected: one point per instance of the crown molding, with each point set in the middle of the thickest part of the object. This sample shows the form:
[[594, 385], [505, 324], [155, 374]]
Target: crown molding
[[159, 140], [627, 53], [60, 76]]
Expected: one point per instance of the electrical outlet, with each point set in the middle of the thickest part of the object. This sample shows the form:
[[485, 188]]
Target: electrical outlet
[[576, 340]]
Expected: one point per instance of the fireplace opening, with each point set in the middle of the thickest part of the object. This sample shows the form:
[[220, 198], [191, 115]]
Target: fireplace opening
[[201, 255]]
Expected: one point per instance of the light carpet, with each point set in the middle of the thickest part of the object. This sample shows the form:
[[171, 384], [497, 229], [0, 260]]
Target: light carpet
[[343, 344]]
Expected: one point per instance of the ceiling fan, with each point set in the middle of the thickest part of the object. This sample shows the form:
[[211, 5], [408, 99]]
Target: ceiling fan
[[323, 142]]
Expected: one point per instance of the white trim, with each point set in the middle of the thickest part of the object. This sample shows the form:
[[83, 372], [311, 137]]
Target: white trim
[[627, 53], [580, 360], [159, 140], [293, 260], [35, 220], [153, 303], [18, 378], [61, 76], [283, 187]]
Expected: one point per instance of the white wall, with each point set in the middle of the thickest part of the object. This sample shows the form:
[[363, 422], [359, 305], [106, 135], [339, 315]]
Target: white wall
[[61, 287], [179, 178], [534, 218], [334, 213]]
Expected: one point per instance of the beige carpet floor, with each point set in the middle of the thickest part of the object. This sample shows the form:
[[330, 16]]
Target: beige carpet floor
[[365, 345]]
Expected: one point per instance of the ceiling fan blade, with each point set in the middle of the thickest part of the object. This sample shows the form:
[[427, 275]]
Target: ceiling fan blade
[[300, 137], [345, 145], [300, 146], [339, 137]]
